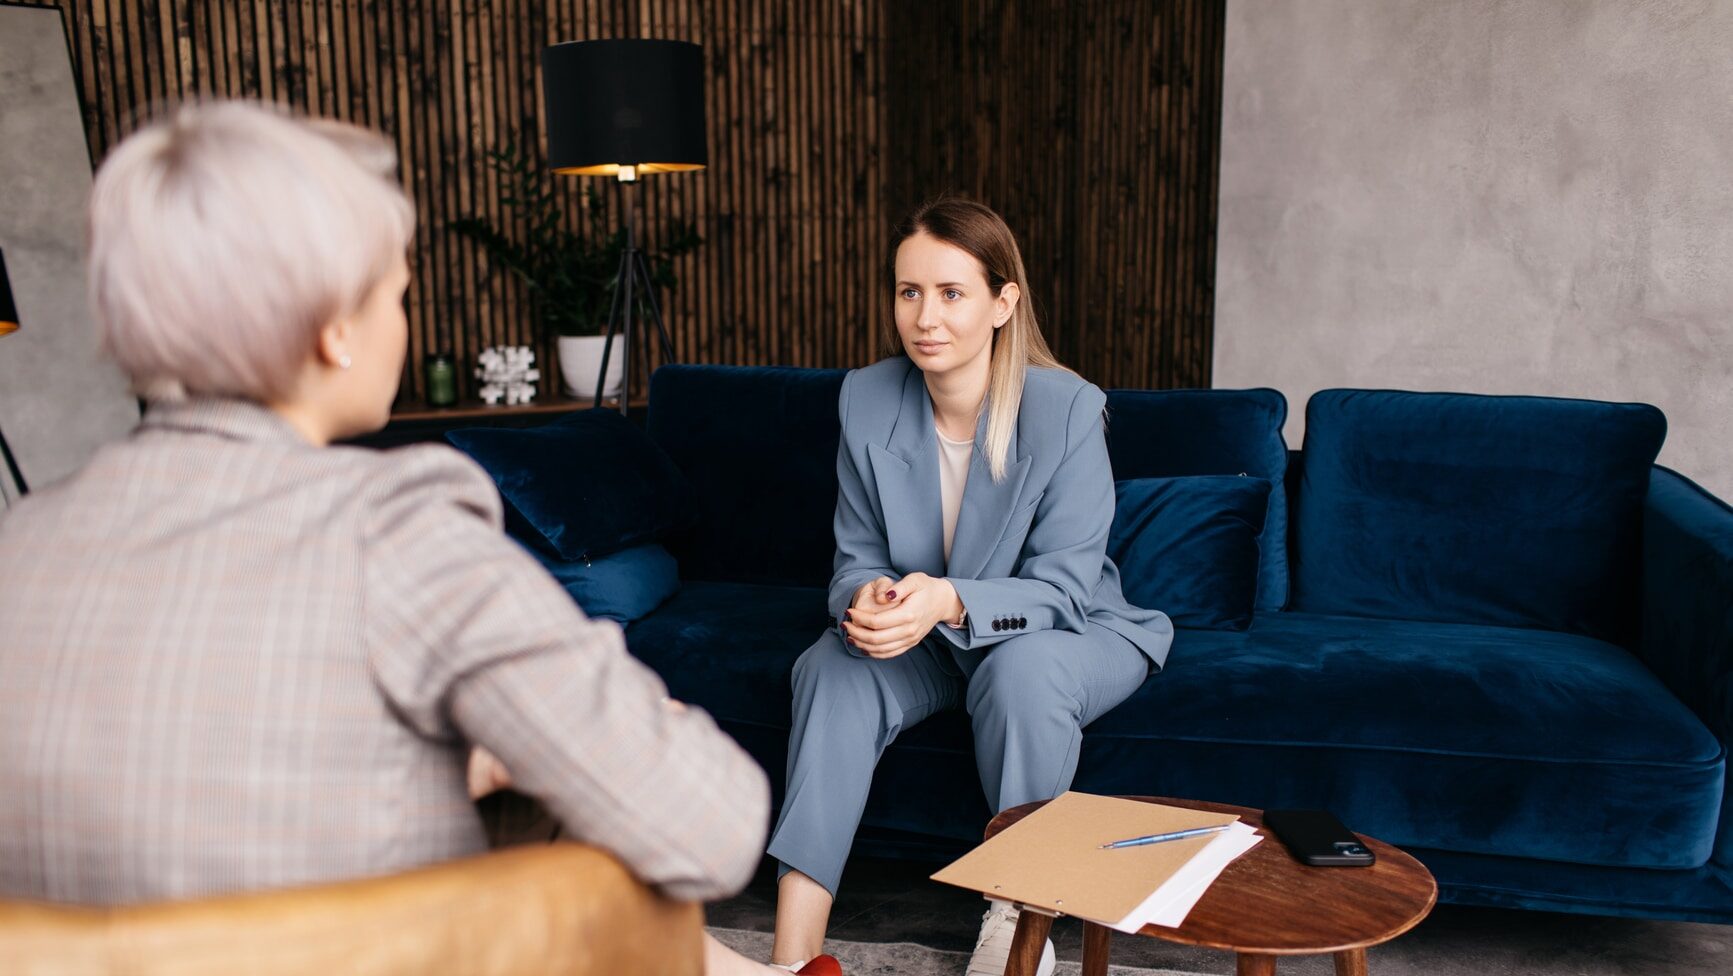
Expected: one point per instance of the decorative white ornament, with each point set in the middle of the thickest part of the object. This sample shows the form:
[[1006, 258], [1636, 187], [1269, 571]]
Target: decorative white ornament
[[344, 361], [507, 373]]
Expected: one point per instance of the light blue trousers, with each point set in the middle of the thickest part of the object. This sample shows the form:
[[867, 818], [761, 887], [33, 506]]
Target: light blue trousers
[[1028, 699]]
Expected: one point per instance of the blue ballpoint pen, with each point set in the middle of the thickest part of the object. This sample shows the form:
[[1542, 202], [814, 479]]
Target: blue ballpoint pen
[[1170, 835]]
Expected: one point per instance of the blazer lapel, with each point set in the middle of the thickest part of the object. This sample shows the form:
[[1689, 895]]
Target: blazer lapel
[[906, 474], [987, 505]]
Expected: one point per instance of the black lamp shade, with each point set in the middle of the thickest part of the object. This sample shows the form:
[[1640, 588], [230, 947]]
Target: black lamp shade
[[624, 103], [8, 311]]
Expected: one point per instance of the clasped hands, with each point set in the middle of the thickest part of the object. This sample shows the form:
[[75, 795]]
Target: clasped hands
[[890, 616]]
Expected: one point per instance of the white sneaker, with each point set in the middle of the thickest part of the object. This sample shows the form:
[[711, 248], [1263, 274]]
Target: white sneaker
[[993, 948]]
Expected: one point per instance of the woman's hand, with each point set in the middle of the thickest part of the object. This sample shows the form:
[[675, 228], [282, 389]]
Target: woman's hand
[[872, 596], [889, 617]]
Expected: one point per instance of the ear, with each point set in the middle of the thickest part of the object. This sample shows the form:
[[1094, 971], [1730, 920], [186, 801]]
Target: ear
[[1006, 303], [333, 342]]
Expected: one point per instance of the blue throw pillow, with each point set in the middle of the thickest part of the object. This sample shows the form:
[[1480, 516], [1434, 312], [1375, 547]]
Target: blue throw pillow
[[1189, 547], [1183, 433], [1514, 511], [622, 586], [584, 486]]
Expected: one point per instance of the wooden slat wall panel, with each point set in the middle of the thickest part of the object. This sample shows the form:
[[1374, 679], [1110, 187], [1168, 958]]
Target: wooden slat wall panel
[[1092, 126]]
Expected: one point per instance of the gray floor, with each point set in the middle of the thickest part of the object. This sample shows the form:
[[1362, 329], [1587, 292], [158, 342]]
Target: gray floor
[[889, 901]]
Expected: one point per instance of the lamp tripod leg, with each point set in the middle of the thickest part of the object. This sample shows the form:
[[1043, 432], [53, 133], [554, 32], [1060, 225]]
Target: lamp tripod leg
[[655, 309], [608, 341], [628, 308]]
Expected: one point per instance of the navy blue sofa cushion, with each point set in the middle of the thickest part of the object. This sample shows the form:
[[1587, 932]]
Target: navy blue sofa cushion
[[1173, 433], [730, 647], [621, 586], [586, 485], [1189, 546], [759, 446], [1516, 511], [1464, 737], [1469, 738]]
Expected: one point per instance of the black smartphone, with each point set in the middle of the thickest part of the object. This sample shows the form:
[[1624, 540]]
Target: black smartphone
[[1316, 837]]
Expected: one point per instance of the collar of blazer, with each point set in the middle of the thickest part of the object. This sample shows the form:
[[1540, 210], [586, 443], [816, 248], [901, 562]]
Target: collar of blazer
[[906, 474], [231, 417]]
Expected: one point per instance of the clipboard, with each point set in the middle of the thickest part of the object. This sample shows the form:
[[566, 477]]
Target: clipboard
[[1052, 862]]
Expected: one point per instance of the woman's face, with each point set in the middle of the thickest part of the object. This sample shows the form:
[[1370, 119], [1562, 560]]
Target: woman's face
[[945, 312]]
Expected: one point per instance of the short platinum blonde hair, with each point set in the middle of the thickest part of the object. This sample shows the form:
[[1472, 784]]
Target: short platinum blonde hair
[[224, 235]]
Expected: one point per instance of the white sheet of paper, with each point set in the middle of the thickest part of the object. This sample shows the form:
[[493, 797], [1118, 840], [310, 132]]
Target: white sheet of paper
[[1169, 904]]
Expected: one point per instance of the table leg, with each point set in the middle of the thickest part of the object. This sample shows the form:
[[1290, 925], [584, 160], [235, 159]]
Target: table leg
[[1351, 962], [1095, 949], [1251, 964], [1026, 945]]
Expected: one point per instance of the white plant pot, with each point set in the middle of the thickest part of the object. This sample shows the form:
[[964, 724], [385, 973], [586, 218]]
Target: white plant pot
[[581, 362]]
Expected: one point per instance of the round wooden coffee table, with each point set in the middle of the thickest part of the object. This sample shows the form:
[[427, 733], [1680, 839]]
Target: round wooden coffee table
[[1266, 904]]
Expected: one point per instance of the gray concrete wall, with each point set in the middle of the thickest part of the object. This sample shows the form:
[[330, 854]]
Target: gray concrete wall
[[1530, 196], [58, 400]]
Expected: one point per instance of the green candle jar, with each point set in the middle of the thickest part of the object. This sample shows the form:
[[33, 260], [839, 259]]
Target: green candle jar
[[441, 376]]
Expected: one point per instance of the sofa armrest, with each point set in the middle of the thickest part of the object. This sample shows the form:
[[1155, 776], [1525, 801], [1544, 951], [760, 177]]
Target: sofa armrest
[[1688, 596], [557, 910], [1688, 611]]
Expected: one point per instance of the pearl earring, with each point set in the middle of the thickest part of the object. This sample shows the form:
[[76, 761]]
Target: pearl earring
[[344, 361]]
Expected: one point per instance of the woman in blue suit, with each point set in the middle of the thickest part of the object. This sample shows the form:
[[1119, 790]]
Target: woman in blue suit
[[972, 516]]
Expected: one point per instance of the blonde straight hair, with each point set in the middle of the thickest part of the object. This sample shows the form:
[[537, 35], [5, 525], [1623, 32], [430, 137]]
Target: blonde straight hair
[[1018, 344]]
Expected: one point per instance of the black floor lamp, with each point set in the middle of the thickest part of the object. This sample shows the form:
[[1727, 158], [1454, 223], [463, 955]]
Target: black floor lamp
[[9, 325], [625, 108]]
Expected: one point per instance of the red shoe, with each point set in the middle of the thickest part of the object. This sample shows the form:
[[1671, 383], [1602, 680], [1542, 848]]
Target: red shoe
[[820, 966]]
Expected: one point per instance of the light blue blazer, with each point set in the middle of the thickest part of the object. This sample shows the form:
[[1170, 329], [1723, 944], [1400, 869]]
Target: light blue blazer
[[1029, 553]]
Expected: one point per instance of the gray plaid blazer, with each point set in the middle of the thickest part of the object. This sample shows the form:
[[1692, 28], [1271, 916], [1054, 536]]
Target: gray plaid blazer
[[230, 660]]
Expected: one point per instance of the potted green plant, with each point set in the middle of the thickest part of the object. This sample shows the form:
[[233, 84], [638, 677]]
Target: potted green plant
[[570, 274]]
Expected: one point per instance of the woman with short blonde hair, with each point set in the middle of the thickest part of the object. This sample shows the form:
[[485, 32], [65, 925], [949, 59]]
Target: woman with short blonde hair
[[237, 658]]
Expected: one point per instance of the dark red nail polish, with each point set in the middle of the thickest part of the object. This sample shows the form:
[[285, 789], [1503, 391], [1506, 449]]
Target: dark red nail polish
[[890, 594], [847, 617]]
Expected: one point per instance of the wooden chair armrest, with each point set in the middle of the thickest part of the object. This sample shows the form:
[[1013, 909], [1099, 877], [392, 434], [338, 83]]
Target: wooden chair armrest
[[556, 910]]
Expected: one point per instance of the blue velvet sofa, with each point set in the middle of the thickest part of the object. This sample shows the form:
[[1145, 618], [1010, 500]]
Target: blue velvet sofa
[[1488, 630]]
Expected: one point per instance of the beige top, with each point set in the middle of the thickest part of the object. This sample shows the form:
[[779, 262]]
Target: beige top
[[953, 475]]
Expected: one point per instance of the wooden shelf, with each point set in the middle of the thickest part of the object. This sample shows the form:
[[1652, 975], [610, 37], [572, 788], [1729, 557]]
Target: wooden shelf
[[413, 422], [413, 410]]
